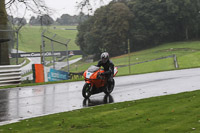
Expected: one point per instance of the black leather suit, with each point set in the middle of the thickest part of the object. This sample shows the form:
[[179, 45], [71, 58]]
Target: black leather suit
[[108, 68]]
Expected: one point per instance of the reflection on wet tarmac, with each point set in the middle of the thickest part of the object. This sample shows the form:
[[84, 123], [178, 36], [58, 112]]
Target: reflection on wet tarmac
[[3, 106], [19, 103], [93, 102]]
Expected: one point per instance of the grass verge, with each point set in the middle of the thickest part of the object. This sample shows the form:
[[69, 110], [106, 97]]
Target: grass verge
[[171, 113], [20, 60]]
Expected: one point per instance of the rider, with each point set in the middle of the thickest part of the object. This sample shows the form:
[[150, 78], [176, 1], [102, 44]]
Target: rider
[[107, 65]]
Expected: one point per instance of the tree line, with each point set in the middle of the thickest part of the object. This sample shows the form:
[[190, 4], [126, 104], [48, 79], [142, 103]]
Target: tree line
[[47, 20], [146, 23]]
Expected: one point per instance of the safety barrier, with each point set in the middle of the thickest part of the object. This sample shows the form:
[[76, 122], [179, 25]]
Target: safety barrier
[[170, 56], [10, 74], [76, 75]]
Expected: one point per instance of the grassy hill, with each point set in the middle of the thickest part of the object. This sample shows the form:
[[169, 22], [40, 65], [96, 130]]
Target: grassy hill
[[188, 55], [30, 37]]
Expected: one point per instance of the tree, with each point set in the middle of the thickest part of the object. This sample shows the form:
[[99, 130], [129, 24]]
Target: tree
[[46, 20], [19, 21], [41, 20], [82, 17], [4, 58], [33, 21], [37, 6], [159, 21], [67, 19], [154, 22], [185, 13], [149, 25], [107, 30]]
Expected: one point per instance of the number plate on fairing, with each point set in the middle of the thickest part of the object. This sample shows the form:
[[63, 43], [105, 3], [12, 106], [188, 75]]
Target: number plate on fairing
[[88, 75]]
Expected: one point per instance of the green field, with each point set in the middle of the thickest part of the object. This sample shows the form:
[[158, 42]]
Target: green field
[[30, 37], [13, 61]]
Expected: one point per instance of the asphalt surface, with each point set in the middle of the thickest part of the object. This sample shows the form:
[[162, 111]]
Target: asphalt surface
[[27, 102]]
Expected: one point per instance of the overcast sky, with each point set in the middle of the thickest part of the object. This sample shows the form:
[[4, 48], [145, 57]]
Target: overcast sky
[[60, 7]]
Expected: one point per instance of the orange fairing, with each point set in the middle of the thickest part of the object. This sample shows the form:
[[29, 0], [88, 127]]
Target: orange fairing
[[90, 75], [94, 75], [92, 79], [84, 74]]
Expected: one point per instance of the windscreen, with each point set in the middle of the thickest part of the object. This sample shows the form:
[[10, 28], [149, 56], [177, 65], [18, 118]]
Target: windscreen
[[93, 69]]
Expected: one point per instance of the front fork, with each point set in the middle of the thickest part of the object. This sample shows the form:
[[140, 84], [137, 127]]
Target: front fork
[[91, 86]]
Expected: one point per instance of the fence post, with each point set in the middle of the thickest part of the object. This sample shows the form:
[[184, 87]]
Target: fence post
[[43, 47], [129, 56], [17, 32], [175, 62]]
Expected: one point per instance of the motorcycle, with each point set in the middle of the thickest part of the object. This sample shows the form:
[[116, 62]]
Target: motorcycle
[[97, 83]]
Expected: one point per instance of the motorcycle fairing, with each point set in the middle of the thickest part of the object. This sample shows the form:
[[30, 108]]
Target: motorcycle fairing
[[88, 74]]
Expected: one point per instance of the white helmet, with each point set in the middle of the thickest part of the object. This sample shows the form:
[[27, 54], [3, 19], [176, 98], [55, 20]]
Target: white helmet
[[104, 57]]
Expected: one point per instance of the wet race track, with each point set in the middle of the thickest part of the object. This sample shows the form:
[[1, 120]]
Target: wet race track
[[21, 103]]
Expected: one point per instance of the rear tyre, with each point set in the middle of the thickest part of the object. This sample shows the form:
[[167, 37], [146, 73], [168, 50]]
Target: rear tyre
[[86, 90], [109, 88]]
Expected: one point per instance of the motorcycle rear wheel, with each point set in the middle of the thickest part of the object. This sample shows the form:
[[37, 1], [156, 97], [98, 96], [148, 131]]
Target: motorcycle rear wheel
[[109, 88], [86, 90]]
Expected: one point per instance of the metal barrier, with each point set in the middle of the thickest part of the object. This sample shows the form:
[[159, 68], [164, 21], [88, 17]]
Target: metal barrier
[[76, 75], [170, 56], [10, 74]]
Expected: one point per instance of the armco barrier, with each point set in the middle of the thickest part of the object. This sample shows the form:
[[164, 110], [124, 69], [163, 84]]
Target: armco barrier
[[170, 56], [10, 74]]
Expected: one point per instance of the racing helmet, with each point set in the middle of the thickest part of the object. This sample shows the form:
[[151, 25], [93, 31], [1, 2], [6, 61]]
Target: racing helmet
[[104, 57]]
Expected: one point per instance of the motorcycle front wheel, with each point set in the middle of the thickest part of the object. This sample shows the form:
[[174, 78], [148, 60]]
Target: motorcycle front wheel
[[109, 88], [86, 90]]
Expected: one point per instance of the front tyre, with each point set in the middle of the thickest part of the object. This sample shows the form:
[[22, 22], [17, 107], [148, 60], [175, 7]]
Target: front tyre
[[109, 88], [86, 91]]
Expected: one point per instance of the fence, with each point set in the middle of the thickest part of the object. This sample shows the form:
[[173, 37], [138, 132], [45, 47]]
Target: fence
[[10, 75], [53, 42], [171, 56], [76, 75]]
